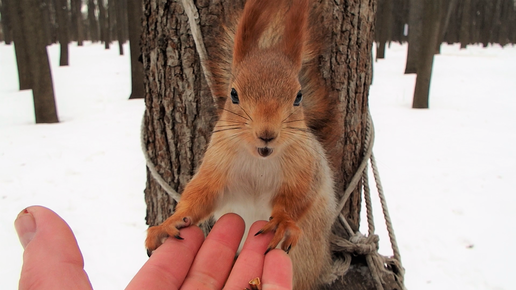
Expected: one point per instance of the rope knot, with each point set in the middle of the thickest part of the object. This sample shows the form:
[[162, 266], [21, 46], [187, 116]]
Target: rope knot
[[358, 244]]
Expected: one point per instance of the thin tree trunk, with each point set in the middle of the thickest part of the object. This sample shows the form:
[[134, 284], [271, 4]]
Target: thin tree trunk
[[385, 19], [496, 23], [444, 25], [80, 23], [92, 20], [111, 19], [45, 14], [465, 24], [431, 20], [414, 35], [119, 9], [20, 47], [41, 77], [63, 34], [134, 16], [104, 24], [507, 28], [72, 31], [6, 21]]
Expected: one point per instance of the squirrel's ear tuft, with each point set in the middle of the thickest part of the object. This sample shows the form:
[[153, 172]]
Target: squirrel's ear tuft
[[296, 22], [255, 18]]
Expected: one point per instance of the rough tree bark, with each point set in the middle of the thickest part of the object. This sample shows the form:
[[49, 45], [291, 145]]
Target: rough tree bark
[[134, 16], [431, 22], [180, 112], [41, 77]]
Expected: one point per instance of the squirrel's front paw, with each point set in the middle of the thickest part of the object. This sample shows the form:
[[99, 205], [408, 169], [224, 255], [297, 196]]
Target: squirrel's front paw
[[284, 229], [170, 228]]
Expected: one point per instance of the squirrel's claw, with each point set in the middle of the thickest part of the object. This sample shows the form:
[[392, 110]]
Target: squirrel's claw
[[284, 229], [157, 235]]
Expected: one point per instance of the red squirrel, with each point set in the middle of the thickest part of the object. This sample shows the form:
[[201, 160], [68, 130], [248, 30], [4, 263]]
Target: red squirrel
[[263, 162]]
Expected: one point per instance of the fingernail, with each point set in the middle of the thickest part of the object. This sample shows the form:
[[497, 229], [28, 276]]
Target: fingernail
[[25, 225]]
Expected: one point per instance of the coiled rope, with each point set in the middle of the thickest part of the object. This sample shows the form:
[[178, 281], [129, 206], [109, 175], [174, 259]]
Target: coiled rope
[[358, 244]]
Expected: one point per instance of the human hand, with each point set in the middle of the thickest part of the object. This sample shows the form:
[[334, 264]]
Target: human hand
[[52, 259]]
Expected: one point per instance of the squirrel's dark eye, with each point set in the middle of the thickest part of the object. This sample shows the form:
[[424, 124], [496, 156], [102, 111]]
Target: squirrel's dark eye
[[234, 96], [299, 97]]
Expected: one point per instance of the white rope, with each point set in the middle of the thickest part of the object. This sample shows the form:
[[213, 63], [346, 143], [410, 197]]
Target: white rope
[[193, 20], [152, 168]]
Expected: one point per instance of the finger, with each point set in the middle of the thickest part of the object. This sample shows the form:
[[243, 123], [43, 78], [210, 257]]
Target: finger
[[249, 264], [215, 258], [277, 271], [169, 264], [51, 257]]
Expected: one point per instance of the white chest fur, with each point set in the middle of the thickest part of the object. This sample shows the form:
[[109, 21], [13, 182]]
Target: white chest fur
[[252, 185]]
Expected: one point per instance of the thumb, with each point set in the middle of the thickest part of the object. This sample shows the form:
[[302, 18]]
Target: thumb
[[51, 257]]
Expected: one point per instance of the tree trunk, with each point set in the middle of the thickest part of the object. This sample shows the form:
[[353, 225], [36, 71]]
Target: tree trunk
[[63, 35], [134, 16], [111, 19], [496, 23], [20, 46], [447, 13], [92, 20], [180, 111], [72, 31], [79, 22], [465, 24], [45, 14], [385, 21], [41, 77], [104, 24], [431, 20], [6, 21], [414, 35], [507, 24], [119, 9]]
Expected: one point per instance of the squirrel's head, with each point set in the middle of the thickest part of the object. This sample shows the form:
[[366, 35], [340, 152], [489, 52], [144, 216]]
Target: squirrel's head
[[264, 102]]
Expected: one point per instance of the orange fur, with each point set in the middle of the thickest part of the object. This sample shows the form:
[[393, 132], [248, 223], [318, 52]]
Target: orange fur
[[263, 159]]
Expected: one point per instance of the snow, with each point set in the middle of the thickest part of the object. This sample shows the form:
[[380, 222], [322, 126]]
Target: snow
[[448, 172]]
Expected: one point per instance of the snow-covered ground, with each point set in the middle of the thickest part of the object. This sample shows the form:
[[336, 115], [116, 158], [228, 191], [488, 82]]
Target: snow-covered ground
[[449, 172]]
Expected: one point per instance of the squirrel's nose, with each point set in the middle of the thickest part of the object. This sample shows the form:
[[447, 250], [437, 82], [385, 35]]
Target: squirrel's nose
[[267, 136], [266, 139]]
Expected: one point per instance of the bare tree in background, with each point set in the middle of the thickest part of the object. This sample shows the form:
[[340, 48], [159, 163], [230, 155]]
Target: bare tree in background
[[61, 7], [431, 22], [414, 35], [92, 21], [41, 77], [119, 10], [6, 21], [384, 27], [465, 24], [134, 16], [79, 22], [105, 36]]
